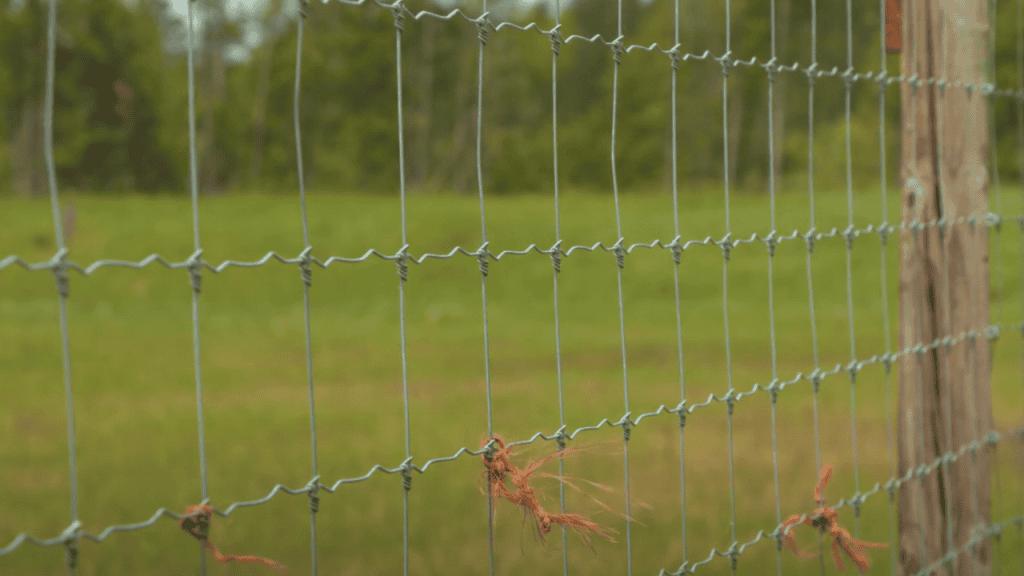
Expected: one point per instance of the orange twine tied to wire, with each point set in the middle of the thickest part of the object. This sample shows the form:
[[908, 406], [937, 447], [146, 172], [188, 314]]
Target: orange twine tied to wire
[[500, 468], [198, 527]]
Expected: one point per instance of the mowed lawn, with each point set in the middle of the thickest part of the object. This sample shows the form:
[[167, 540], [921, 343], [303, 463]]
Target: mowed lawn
[[133, 376]]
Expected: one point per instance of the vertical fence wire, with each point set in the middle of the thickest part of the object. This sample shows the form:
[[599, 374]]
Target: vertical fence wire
[[620, 252], [884, 232], [195, 270], [726, 247], [556, 266], [61, 278], [771, 69], [849, 234], [810, 238], [676, 253], [314, 499], [482, 258], [399, 17]]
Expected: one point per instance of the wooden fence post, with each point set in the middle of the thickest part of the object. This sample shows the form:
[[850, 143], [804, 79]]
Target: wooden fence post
[[944, 285]]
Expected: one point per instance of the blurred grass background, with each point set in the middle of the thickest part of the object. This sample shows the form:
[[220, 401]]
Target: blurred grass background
[[134, 385]]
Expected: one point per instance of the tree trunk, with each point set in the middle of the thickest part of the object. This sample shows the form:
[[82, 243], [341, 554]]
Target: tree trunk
[[735, 123], [423, 116], [27, 152], [781, 86]]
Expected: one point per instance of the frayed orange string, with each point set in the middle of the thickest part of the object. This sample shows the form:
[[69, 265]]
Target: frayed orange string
[[500, 468], [199, 528], [828, 521]]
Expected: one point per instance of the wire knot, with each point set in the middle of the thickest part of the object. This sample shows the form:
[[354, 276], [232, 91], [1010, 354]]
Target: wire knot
[[556, 39], [810, 237], [726, 244], [733, 555], [883, 80], [726, 63], [848, 235], [617, 50], [883, 232], [556, 256], [59, 267], [848, 77], [993, 220], [194, 265], [890, 487], [675, 57], [816, 380], [996, 531], [483, 25], [397, 12], [812, 73], [772, 68], [887, 360], [681, 412], [304, 266], [482, 258], [70, 537], [627, 425], [856, 500], [771, 241], [560, 438], [402, 260], [313, 490], [304, 8], [407, 474], [620, 253], [677, 250], [992, 438]]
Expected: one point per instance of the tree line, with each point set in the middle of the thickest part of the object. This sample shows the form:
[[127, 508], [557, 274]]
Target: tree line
[[121, 96]]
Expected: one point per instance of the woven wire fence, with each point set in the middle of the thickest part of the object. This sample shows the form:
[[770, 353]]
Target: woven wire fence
[[692, 561]]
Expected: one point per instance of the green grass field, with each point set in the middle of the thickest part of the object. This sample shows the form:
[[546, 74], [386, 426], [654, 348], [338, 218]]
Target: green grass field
[[135, 397]]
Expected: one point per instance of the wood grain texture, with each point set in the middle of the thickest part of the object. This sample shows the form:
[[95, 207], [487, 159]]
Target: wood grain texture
[[944, 395]]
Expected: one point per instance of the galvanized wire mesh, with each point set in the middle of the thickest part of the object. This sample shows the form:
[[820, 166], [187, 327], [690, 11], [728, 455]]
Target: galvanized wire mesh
[[60, 266]]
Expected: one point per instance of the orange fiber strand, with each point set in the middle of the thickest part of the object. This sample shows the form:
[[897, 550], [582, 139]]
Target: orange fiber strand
[[501, 469], [828, 522], [199, 528]]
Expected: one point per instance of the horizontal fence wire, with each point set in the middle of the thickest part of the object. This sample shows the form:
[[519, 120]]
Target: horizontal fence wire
[[60, 265]]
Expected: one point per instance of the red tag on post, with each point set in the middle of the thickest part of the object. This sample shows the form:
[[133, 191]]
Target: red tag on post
[[893, 29]]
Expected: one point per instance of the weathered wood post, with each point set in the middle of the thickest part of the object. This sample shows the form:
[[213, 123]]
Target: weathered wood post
[[944, 396]]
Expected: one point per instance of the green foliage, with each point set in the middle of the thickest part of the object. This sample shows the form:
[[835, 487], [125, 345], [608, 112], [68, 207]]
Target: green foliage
[[103, 140], [349, 105]]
